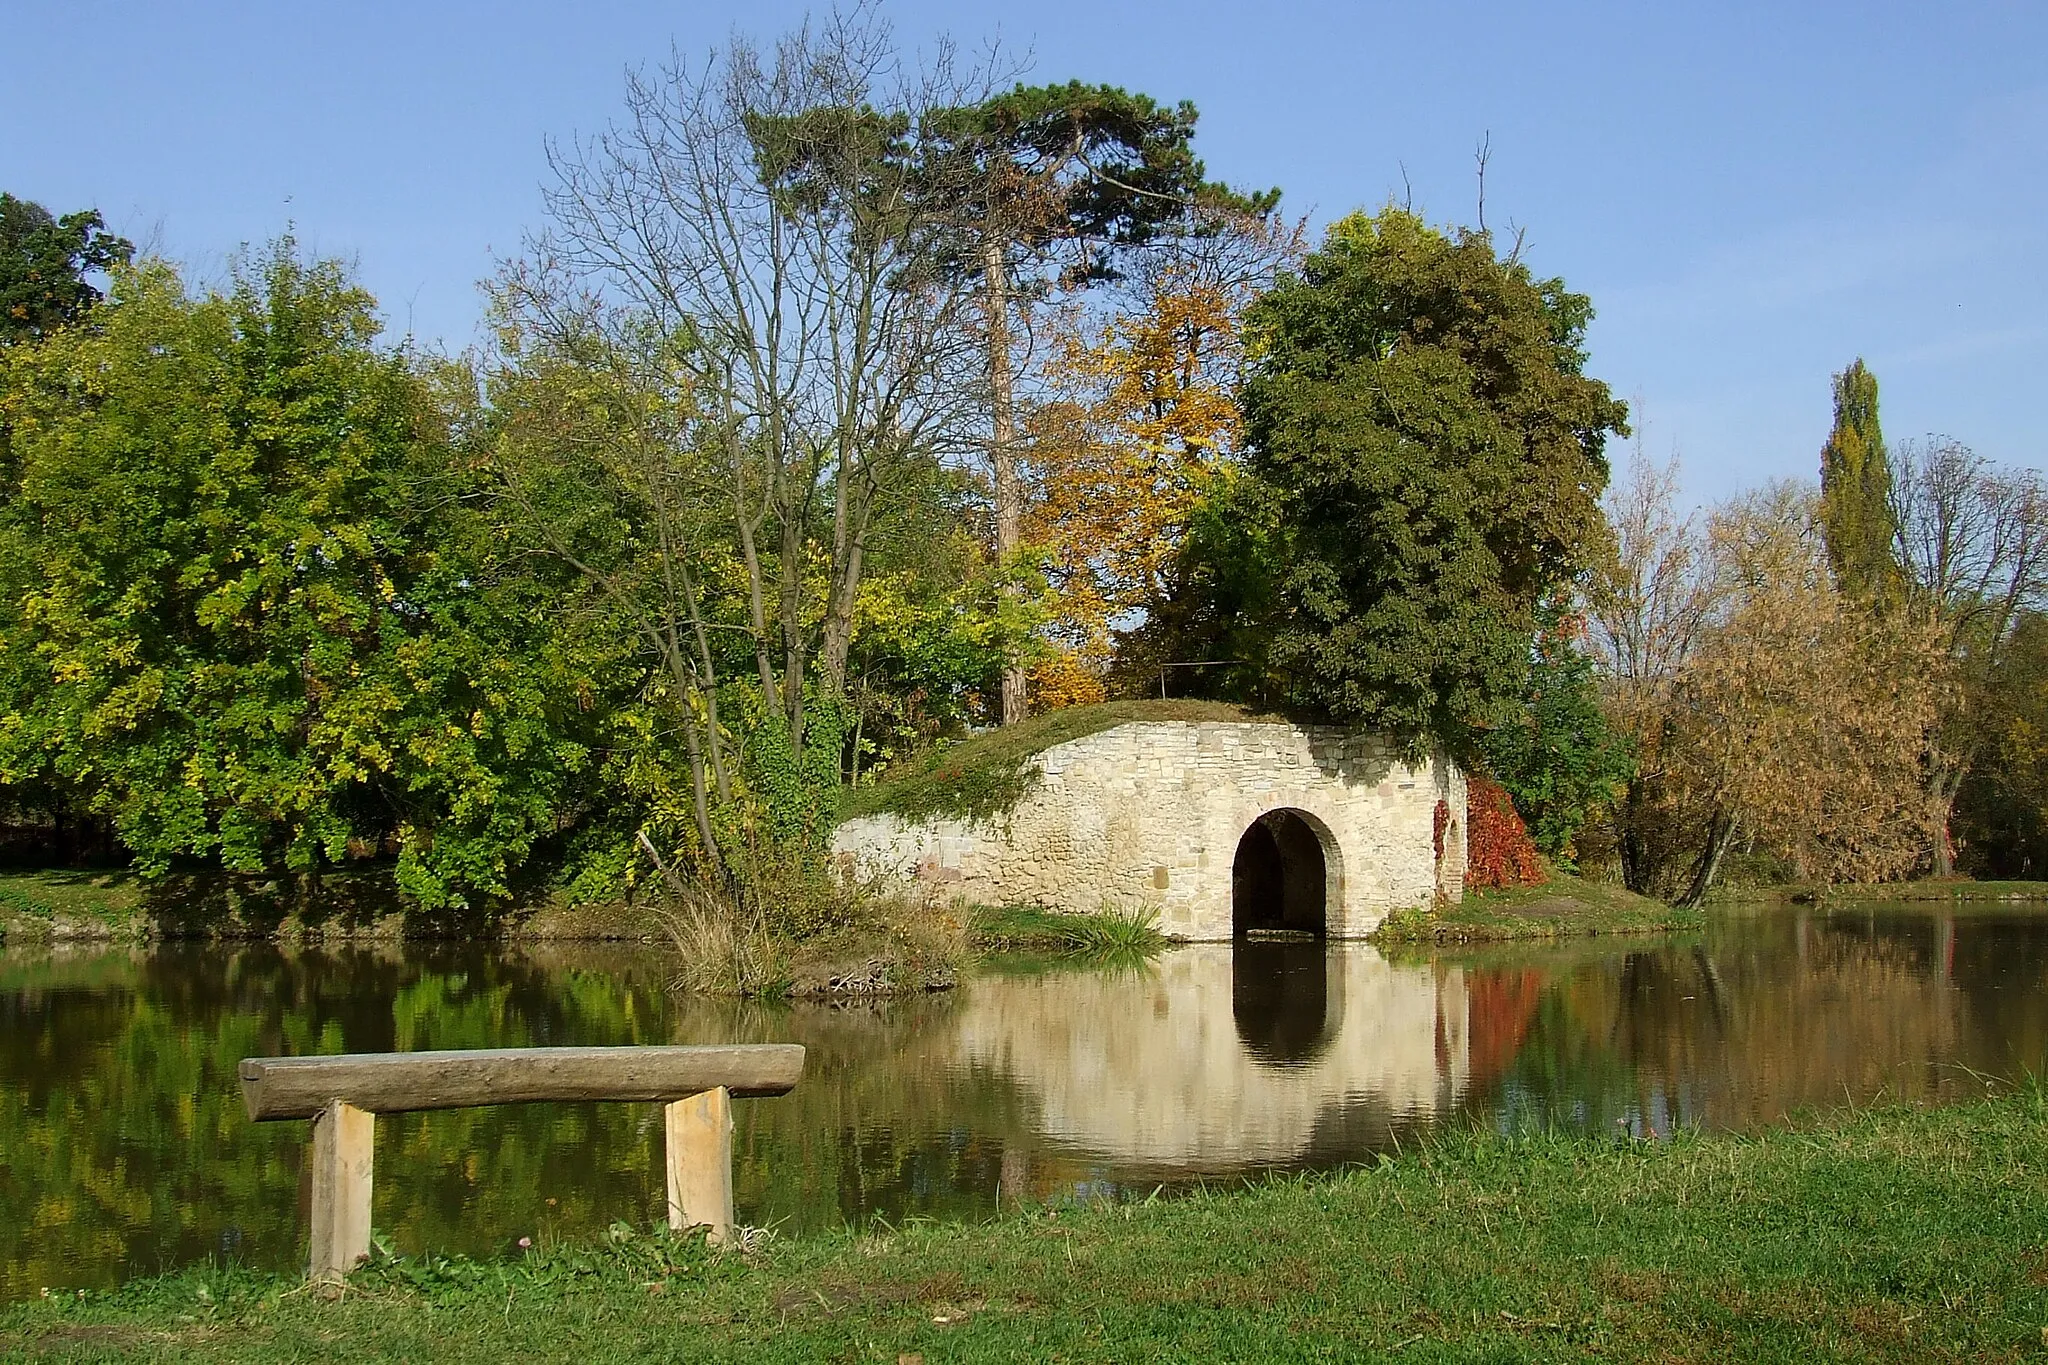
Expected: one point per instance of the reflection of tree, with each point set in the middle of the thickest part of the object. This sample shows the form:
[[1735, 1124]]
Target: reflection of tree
[[888, 1119], [123, 1145], [1776, 1014], [2000, 970], [1500, 1006], [127, 1148]]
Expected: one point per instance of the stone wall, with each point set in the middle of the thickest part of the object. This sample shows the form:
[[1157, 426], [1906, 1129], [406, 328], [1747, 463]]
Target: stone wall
[[1149, 814]]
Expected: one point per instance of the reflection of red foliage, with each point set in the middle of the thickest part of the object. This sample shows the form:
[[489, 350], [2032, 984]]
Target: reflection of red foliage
[[1499, 1009], [1497, 847]]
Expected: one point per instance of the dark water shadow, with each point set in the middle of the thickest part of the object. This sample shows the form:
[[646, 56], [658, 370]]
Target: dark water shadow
[[210, 904], [1281, 1001]]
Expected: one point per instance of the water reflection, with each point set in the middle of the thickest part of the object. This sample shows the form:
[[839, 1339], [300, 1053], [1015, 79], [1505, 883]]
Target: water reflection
[[123, 1147], [1280, 999]]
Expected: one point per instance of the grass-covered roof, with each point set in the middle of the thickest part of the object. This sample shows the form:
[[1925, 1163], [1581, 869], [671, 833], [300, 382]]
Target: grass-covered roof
[[989, 773]]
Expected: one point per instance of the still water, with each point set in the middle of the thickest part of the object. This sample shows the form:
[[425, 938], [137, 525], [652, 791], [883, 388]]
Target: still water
[[124, 1150]]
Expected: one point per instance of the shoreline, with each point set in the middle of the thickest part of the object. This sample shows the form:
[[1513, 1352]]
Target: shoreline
[[76, 908], [1563, 907], [1892, 1234]]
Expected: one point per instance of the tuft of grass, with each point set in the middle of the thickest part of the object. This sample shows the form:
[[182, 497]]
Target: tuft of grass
[[1882, 1235], [986, 775], [1562, 907], [1006, 928], [799, 930]]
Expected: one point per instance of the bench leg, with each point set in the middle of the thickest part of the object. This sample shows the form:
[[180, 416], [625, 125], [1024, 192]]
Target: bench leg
[[342, 1149], [699, 1150]]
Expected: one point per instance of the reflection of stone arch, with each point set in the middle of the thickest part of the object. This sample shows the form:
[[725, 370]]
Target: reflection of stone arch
[[1282, 1000], [1287, 873]]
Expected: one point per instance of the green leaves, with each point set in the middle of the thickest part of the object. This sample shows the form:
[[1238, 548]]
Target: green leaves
[[43, 264], [1431, 462], [246, 619], [1556, 754], [1857, 499]]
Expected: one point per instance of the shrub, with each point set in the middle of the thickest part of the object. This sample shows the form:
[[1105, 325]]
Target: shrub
[[1498, 850]]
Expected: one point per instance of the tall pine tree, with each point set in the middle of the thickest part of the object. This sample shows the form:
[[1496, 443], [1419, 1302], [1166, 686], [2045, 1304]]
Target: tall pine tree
[[1856, 492]]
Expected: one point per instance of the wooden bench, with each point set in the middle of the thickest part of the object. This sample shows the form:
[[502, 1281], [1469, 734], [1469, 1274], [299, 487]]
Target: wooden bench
[[343, 1094]]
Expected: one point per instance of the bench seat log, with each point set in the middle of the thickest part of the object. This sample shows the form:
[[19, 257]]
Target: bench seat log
[[400, 1082]]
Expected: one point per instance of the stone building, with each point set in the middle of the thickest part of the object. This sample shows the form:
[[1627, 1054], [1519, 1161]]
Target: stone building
[[1221, 827]]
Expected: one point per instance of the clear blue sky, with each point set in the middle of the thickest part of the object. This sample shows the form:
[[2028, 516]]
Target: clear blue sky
[[1752, 194]]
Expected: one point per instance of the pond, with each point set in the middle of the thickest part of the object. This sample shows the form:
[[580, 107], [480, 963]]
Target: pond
[[124, 1149]]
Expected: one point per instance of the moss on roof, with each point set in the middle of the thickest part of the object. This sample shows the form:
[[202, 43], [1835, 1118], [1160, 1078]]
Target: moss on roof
[[987, 774]]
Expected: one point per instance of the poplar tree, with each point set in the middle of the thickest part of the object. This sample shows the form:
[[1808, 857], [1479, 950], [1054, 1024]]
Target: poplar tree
[[1856, 492]]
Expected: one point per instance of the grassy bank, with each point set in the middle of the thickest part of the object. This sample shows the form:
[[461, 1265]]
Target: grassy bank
[[1562, 907], [59, 905], [1927, 891], [1888, 1235]]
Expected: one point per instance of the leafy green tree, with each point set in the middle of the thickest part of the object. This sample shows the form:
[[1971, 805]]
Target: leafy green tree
[[43, 264], [1856, 492], [248, 619], [1557, 756], [1425, 458]]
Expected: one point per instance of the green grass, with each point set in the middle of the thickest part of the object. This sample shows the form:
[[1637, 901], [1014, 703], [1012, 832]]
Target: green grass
[[1028, 928], [983, 776], [1563, 907], [1927, 890], [1899, 1234], [61, 904]]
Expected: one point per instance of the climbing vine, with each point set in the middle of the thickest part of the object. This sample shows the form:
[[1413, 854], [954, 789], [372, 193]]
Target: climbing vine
[[1498, 850]]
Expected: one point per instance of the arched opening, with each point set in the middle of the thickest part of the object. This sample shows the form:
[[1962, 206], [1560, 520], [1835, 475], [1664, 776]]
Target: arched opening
[[1279, 880]]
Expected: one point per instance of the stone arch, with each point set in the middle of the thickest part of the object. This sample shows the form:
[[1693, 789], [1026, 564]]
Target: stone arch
[[1287, 874]]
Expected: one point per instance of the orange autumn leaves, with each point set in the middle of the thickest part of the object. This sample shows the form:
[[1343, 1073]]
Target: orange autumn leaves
[[1140, 417]]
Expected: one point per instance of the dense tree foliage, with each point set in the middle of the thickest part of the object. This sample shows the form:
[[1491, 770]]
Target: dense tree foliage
[[842, 393], [1972, 553], [245, 618], [1049, 189], [2001, 806], [1424, 463], [1767, 708], [44, 261], [1557, 754], [1136, 422]]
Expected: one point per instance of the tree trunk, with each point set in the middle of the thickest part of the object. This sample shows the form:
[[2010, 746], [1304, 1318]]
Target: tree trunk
[[700, 806], [1720, 834], [1941, 810], [1002, 441], [1634, 849], [790, 595], [750, 555]]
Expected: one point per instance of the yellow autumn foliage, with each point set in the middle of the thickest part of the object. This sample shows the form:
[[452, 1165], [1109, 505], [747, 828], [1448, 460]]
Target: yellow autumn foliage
[[1140, 415]]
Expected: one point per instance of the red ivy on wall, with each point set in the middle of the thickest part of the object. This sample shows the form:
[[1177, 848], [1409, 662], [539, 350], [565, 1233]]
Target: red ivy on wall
[[1498, 851]]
